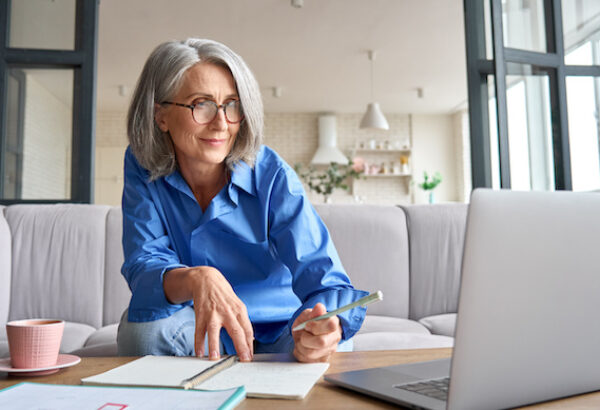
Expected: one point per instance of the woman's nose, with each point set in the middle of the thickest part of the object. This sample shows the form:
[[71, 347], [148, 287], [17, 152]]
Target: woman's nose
[[220, 121]]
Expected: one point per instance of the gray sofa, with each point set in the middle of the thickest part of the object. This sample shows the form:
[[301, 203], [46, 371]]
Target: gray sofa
[[63, 261]]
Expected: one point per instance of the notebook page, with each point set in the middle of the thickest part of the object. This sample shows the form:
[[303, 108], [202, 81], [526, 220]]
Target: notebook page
[[53, 396], [269, 379], [163, 371]]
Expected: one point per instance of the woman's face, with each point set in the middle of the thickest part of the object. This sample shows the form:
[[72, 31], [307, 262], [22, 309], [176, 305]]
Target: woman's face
[[197, 144]]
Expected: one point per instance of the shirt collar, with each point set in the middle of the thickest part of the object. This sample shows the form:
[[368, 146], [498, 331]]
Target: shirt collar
[[243, 177], [175, 179]]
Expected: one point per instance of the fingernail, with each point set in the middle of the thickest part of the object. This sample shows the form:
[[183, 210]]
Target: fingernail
[[214, 355], [246, 357]]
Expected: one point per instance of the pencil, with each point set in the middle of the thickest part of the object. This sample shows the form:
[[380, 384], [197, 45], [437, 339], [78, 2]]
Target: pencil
[[373, 297], [209, 372]]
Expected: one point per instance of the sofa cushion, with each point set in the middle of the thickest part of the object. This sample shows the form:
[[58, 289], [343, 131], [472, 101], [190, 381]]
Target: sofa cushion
[[443, 324], [372, 243], [116, 290], [3, 349], [376, 323], [99, 350], [399, 340], [5, 266], [436, 235], [104, 335], [74, 336], [58, 261]]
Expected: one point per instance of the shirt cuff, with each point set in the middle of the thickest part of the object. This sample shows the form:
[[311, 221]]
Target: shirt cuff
[[350, 321], [148, 301]]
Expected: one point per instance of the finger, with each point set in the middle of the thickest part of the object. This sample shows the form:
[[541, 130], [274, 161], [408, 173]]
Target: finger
[[302, 317], [308, 314], [319, 342], [238, 336], [249, 331], [318, 310], [308, 355], [244, 321], [213, 329], [321, 327], [199, 334]]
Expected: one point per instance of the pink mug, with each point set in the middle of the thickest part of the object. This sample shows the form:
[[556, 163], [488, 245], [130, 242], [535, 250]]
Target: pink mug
[[34, 343]]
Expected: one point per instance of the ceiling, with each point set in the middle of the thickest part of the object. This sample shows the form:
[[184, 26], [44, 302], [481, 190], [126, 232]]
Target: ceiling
[[317, 54]]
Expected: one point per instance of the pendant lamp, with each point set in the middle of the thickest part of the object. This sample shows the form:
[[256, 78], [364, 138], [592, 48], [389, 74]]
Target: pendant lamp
[[373, 118]]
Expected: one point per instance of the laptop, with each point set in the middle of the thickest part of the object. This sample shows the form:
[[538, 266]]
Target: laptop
[[527, 328]]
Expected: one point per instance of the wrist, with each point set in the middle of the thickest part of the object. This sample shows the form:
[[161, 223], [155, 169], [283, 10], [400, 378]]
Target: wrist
[[179, 284]]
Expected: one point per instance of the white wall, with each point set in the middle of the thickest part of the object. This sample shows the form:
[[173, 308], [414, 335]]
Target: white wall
[[434, 150], [111, 142]]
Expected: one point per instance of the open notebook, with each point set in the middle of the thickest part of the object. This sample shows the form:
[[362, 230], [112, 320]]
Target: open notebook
[[265, 379]]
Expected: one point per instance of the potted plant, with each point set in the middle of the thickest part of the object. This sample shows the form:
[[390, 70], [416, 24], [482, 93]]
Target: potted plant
[[324, 182], [428, 185]]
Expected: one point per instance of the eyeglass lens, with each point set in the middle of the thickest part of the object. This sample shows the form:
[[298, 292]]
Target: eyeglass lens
[[206, 111]]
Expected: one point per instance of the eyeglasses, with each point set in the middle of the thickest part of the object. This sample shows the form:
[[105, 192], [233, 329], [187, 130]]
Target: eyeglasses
[[205, 112]]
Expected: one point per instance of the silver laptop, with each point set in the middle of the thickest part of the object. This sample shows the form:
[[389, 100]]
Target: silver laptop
[[527, 328]]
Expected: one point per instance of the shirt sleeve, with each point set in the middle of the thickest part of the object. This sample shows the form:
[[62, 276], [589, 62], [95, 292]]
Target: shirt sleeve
[[303, 243], [146, 247]]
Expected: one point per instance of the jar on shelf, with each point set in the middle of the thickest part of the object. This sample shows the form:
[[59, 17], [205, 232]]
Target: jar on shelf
[[404, 164], [390, 168]]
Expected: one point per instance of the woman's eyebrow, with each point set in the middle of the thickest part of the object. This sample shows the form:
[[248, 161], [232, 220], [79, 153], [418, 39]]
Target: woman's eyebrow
[[210, 96]]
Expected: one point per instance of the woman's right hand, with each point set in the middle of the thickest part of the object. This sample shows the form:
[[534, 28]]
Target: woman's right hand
[[216, 306]]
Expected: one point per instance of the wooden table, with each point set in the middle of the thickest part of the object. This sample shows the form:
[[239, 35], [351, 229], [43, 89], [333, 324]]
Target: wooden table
[[323, 396]]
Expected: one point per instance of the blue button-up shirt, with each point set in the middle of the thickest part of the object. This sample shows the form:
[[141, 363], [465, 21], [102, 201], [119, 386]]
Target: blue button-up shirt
[[260, 231]]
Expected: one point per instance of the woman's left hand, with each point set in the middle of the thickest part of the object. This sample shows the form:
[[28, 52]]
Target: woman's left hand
[[319, 339]]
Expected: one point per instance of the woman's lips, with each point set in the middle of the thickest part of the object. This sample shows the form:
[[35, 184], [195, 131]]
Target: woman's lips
[[215, 142]]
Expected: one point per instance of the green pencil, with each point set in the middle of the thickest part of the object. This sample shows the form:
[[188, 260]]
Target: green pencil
[[373, 297]]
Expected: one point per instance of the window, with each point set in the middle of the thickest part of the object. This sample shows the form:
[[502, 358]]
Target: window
[[47, 106], [534, 93]]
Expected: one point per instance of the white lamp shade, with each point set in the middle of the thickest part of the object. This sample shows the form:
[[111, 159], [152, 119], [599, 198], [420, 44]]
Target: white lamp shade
[[327, 151], [374, 118]]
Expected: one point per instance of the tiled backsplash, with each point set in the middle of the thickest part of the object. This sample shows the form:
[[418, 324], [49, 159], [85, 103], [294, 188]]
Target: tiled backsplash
[[295, 138]]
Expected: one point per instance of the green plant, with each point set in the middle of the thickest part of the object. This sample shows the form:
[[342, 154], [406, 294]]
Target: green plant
[[430, 184], [325, 181]]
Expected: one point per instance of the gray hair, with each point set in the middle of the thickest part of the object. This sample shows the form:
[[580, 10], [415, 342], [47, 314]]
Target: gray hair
[[161, 78]]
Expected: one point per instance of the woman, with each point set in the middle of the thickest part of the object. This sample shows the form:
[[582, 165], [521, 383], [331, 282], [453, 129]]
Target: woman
[[223, 251]]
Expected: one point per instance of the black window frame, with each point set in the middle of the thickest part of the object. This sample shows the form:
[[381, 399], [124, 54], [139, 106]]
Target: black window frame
[[551, 63], [82, 60]]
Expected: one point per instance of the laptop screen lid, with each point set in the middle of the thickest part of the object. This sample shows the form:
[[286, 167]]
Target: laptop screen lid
[[528, 328]]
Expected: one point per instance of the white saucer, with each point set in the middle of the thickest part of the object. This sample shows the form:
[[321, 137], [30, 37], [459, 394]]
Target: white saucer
[[64, 360]]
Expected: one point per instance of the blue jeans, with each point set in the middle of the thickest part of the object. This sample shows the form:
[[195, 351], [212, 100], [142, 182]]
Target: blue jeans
[[174, 336]]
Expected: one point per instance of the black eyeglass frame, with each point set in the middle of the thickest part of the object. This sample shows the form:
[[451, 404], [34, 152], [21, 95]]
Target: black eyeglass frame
[[192, 107]]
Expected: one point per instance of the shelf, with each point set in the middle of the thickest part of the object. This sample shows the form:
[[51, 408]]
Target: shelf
[[379, 151], [384, 175]]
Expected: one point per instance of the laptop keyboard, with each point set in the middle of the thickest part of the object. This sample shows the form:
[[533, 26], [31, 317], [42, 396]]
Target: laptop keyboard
[[436, 388]]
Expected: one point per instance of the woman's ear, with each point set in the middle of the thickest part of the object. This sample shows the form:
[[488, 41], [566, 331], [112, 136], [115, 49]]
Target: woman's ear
[[159, 117]]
